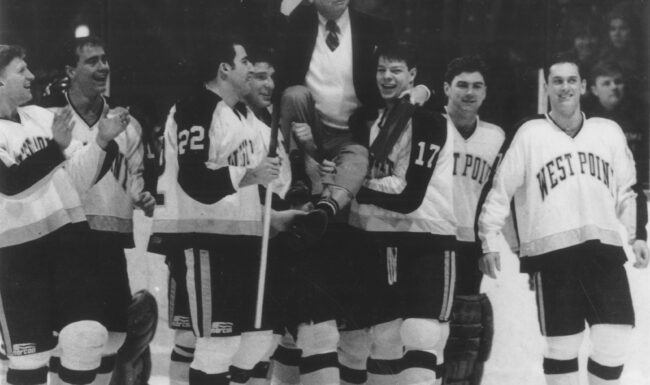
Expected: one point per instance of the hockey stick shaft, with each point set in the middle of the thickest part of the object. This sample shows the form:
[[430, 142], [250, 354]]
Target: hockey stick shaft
[[266, 228]]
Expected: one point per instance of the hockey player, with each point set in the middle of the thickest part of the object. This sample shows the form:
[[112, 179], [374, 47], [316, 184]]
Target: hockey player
[[571, 179], [50, 275], [215, 160], [476, 148], [406, 207], [258, 100], [109, 203]]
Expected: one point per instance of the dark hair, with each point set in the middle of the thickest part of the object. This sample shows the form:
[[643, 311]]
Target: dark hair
[[8, 53], [69, 55], [215, 51], [562, 57], [605, 68], [471, 63], [401, 50], [261, 54]]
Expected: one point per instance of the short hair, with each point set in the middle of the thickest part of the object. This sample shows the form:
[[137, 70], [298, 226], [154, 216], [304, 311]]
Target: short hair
[[216, 51], [400, 51], [71, 48], [8, 53], [562, 57], [261, 54], [605, 68], [459, 65]]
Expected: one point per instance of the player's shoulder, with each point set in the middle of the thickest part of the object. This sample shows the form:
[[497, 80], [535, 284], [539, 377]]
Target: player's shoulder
[[603, 127], [37, 113], [492, 128]]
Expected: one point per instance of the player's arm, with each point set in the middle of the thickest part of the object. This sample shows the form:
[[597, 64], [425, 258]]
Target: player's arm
[[406, 195], [506, 179], [626, 202], [142, 199], [16, 178]]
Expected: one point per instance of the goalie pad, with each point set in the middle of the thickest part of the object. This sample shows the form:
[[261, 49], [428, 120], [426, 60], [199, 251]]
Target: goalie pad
[[470, 340], [134, 359]]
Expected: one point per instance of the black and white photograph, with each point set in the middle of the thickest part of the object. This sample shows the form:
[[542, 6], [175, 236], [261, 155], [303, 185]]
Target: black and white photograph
[[324, 192]]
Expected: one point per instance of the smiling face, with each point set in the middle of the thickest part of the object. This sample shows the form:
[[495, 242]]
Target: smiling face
[[393, 77], [564, 87], [261, 86], [466, 92], [17, 80], [90, 74]]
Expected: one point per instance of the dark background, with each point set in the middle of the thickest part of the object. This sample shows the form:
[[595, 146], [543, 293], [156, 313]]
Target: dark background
[[151, 42]]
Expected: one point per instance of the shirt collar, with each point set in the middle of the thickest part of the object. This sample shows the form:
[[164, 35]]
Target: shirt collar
[[343, 21]]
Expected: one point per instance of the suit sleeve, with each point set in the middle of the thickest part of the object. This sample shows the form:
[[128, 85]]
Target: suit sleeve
[[16, 178]]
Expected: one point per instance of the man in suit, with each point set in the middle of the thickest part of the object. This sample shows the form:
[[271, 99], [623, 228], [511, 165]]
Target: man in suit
[[327, 72]]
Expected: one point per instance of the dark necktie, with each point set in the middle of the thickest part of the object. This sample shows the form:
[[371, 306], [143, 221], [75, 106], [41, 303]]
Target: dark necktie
[[332, 38]]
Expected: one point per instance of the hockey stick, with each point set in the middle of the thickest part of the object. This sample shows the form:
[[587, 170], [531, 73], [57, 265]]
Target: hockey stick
[[261, 282]]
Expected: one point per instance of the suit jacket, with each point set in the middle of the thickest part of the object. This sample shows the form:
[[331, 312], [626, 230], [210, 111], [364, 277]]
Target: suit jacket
[[368, 32]]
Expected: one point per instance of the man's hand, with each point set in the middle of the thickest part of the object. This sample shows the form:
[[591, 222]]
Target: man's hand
[[263, 174], [327, 170], [418, 95], [112, 126], [490, 263], [62, 126], [145, 202], [302, 132], [640, 248]]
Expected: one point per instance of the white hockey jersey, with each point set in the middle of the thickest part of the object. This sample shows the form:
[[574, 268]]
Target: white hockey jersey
[[109, 203], [205, 197], [412, 191], [474, 158], [39, 188], [566, 190]]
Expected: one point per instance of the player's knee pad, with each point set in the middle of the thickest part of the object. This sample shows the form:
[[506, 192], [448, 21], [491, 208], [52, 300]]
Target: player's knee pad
[[252, 348], [354, 348], [317, 338], [564, 347], [185, 339], [30, 361], [609, 343], [82, 343], [386, 341], [113, 343], [420, 333], [214, 355]]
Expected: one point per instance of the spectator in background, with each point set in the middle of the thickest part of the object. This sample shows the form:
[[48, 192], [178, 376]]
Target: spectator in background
[[586, 44], [608, 98], [621, 45]]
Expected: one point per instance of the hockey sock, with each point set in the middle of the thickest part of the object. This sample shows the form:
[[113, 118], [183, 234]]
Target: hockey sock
[[319, 364], [198, 377], [420, 337], [603, 375], [27, 376], [383, 372], [285, 365], [353, 352], [561, 372], [260, 374], [181, 358], [329, 205], [105, 370], [238, 375]]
